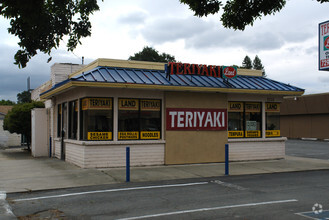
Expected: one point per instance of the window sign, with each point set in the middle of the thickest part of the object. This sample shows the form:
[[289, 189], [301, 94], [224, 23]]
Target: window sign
[[252, 107], [251, 125], [128, 104], [150, 105], [150, 135], [96, 104], [272, 107], [235, 134], [253, 134], [273, 133], [128, 135], [99, 136], [235, 106]]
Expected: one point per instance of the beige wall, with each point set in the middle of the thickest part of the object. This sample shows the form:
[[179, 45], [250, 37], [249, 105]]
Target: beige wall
[[305, 117], [184, 147]]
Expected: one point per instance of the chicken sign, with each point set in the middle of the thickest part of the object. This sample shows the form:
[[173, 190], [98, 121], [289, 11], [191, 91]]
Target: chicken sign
[[195, 119]]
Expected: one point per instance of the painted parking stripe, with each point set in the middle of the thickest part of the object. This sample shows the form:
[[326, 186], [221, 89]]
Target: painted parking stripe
[[110, 190], [5, 209], [209, 209]]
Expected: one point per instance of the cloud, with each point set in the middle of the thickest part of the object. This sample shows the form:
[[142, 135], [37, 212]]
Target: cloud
[[205, 34], [163, 30], [14, 80], [133, 18]]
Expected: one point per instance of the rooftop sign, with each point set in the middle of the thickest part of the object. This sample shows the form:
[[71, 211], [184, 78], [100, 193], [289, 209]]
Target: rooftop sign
[[324, 46], [192, 69], [229, 72]]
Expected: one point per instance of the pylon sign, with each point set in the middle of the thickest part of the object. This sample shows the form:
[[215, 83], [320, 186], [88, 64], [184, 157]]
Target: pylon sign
[[324, 46]]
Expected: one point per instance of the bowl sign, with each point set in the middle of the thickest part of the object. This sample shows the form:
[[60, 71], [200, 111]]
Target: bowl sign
[[229, 72]]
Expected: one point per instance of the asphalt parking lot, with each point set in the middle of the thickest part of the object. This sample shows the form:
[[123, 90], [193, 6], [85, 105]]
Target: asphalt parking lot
[[309, 149]]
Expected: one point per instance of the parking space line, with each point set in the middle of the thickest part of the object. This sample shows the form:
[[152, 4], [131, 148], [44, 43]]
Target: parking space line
[[5, 209], [110, 190], [209, 209]]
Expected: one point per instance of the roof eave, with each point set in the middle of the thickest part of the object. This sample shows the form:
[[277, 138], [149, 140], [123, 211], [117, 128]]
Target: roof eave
[[71, 84]]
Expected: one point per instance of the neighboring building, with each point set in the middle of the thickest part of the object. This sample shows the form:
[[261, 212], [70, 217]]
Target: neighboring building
[[179, 114], [6, 138], [305, 116]]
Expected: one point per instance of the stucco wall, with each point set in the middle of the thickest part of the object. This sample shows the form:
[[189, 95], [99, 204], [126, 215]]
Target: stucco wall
[[184, 147]]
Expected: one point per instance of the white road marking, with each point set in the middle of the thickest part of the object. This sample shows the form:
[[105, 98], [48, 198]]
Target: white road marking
[[110, 190], [4, 206], [229, 185], [209, 209]]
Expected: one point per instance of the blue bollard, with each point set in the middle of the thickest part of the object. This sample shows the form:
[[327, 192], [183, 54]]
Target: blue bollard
[[49, 146], [127, 164], [226, 160]]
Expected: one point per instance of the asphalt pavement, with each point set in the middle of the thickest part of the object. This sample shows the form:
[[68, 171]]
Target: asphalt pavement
[[20, 172]]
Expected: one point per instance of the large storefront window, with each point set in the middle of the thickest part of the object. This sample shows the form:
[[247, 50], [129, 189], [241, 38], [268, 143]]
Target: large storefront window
[[244, 119], [96, 119], [73, 119], [272, 119], [235, 119], [150, 119], [139, 119]]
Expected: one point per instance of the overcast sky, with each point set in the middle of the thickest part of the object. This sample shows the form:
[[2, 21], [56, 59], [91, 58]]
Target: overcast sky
[[287, 43]]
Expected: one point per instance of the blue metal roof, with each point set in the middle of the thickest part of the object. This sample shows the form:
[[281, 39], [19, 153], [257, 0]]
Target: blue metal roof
[[158, 77]]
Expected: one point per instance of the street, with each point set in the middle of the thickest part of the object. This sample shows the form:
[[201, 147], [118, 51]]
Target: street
[[267, 196]]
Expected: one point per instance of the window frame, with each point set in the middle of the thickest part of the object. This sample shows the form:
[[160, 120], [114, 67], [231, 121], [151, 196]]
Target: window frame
[[81, 120], [242, 110], [153, 135]]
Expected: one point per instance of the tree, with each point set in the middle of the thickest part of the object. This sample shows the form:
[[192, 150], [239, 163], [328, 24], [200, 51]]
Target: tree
[[257, 65], [18, 119], [237, 14], [6, 102], [24, 97], [246, 63], [150, 54], [42, 24]]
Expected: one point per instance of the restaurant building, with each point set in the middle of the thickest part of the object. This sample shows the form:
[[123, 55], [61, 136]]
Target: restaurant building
[[175, 113]]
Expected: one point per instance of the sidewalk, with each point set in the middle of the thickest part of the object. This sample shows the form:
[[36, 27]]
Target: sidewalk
[[20, 172]]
